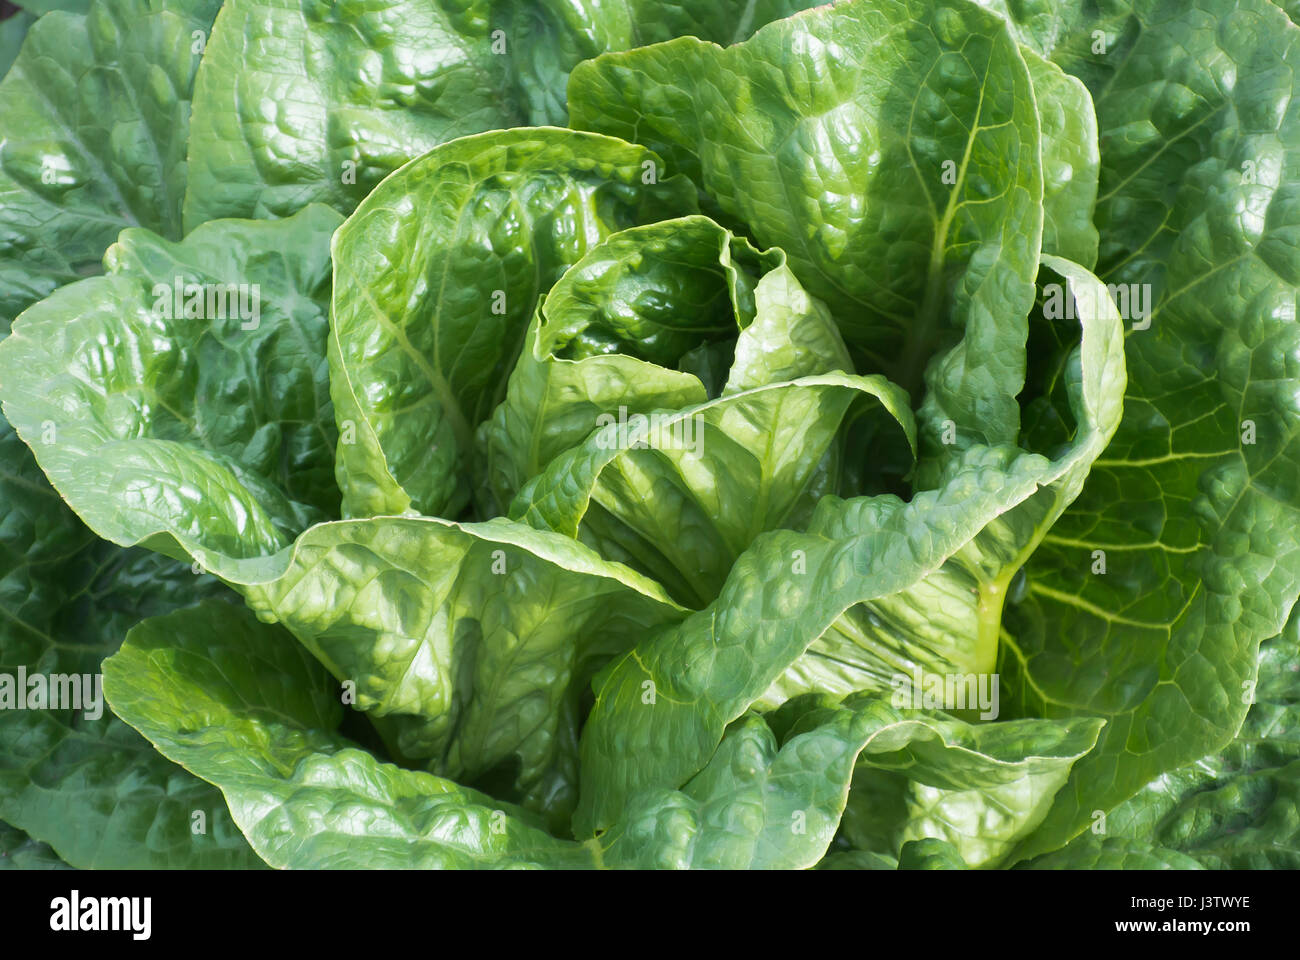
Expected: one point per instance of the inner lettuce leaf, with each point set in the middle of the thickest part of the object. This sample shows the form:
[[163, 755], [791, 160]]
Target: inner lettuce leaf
[[94, 121], [891, 148], [678, 495], [307, 101], [437, 275], [181, 401], [892, 567], [647, 320]]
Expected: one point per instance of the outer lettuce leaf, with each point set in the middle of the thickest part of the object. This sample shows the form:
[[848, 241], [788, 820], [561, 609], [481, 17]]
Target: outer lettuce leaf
[[1200, 529], [550, 37], [890, 147], [302, 101], [243, 706], [19, 852], [755, 805], [1043, 25], [196, 683], [891, 567], [1233, 810], [437, 275], [94, 118], [1114, 853], [203, 438], [299, 101], [13, 30], [91, 788], [476, 641]]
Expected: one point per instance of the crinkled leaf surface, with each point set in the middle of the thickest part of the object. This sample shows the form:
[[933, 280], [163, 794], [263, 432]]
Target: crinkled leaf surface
[[1113, 853], [890, 148], [477, 640], [94, 118], [679, 495], [641, 323], [436, 277], [302, 101], [760, 805], [1194, 503], [980, 800], [242, 705], [713, 477], [81, 780], [200, 430], [1232, 810], [1071, 161], [546, 39], [922, 584], [299, 101]]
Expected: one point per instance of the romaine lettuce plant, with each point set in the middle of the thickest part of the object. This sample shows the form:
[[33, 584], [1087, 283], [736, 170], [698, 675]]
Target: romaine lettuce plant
[[723, 435]]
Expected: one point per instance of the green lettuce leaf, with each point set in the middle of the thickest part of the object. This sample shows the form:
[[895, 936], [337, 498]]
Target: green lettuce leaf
[[980, 812], [756, 805], [475, 641], [892, 149], [873, 589], [1113, 853], [20, 852], [80, 780], [243, 706], [546, 39], [1191, 511], [647, 320], [437, 275], [188, 425], [299, 101], [1235, 809], [678, 495], [682, 512], [930, 854], [94, 119], [195, 683], [1071, 161]]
